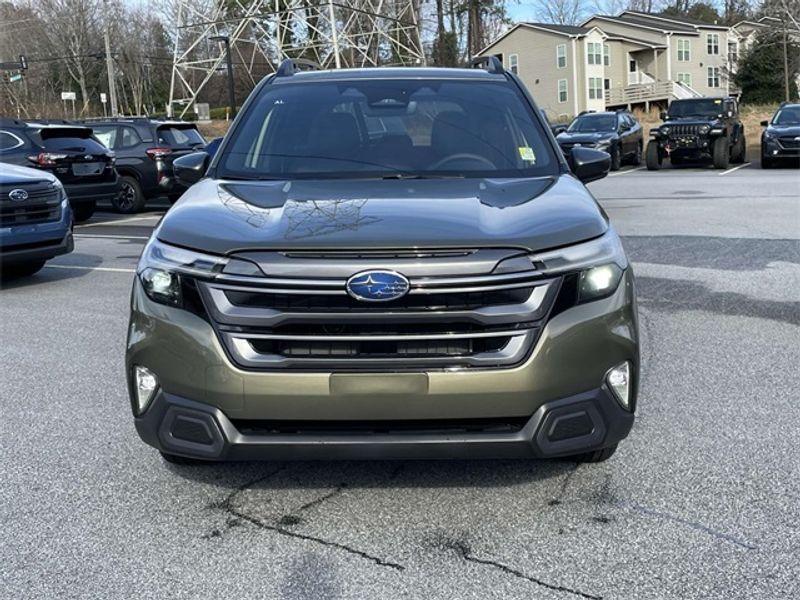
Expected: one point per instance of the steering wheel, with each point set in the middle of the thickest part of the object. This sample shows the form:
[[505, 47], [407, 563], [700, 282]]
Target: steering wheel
[[455, 157]]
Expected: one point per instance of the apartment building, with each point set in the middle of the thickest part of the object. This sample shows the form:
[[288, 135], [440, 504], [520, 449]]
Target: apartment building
[[629, 59]]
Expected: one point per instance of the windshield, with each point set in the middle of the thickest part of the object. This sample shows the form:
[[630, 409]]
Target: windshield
[[593, 123], [787, 115], [388, 128], [702, 107]]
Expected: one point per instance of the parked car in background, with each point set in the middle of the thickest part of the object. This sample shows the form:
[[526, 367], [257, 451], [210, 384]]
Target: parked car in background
[[145, 149], [35, 220], [698, 129], [82, 164], [781, 138], [615, 132]]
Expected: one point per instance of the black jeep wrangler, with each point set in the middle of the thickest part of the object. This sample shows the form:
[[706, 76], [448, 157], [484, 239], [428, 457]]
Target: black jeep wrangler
[[697, 129]]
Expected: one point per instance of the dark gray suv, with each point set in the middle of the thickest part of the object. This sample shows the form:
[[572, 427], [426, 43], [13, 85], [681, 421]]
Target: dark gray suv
[[385, 263]]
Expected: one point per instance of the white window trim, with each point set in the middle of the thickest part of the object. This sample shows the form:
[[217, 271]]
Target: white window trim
[[558, 58], [566, 91], [712, 39], [713, 73], [598, 90], [685, 79], [606, 55], [589, 46], [512, 64], [687, 51], [20, 141]]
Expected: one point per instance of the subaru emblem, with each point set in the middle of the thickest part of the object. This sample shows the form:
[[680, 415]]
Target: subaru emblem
[[377, 286], [18, 195]]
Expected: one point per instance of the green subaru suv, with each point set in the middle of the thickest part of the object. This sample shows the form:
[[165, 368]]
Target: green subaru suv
[[385, 263]]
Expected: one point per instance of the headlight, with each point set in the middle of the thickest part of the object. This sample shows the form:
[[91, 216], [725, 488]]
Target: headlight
[[704, 128], [717, 131], [768, 135], [602, 144], [664, 129], [161, 267], [599, 263]]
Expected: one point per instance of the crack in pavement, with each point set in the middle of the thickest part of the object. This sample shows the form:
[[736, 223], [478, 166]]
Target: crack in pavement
[[564, 484], [324, 498], [466, 553], [227, 505], [686, 522]]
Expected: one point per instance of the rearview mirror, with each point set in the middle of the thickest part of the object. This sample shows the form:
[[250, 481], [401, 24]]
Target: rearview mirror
[[190, 168], [588, 164]]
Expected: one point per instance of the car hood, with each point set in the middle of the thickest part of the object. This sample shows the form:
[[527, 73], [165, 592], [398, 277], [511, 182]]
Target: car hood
[[694, 121], [534, 214], [14, 174], [584, 138], [784, 130]]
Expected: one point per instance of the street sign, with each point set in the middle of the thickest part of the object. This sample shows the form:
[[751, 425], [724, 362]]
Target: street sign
[[69, 96], [102, 97]]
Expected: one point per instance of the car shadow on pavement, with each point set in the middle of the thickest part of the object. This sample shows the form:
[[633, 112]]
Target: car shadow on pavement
[[374, 474], [51, 273]]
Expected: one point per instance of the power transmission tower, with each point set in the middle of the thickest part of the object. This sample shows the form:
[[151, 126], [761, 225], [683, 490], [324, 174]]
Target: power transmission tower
[[261, 33]]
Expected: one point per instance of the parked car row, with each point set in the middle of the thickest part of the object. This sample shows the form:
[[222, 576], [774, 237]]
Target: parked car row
[[693, 129]]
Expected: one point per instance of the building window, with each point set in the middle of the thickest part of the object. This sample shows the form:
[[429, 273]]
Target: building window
[[562, 90], [713, 77], [595, 88], [684, 50], [595, 50], [561, 56], [513, 63], [685, 79], [606, 55], [733, 53], [712, 43]]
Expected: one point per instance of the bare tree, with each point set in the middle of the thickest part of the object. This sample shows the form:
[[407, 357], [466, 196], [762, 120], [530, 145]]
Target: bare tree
[[562, 12]]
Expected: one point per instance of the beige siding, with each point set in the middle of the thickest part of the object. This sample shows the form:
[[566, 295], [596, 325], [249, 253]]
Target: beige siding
[[536, 51], [612, 28], [700, 60]]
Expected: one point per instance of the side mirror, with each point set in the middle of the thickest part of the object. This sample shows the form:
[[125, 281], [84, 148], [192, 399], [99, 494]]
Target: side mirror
[[662, 115], [190, 168], [765, 123], [557, 129], [588, 164]]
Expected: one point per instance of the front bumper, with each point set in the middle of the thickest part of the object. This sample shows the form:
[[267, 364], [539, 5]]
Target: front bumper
[[567, 367], [563, 427], [38, 241], [772, 148]]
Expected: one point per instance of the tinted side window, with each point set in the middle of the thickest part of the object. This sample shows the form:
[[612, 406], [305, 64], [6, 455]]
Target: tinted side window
[[179, 137], [9, 141], [130, 137], [106, 135]]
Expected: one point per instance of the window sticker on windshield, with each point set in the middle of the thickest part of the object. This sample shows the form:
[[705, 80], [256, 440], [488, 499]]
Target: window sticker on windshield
[[527, 153]]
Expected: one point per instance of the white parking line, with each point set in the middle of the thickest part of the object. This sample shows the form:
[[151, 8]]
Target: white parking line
[[115, 222], [618, 173], [80, 268], [114, 237], [736, 168]]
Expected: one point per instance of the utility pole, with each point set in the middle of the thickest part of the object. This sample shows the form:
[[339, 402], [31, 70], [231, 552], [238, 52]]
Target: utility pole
[[112, 92], [786, 59], [231, 92]]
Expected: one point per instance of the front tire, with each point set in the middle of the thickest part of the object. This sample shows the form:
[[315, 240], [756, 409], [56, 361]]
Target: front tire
[[595, 456], [175, 459], [84, 211], [130, 199], [721, 154], [616, 159], [653, 157]]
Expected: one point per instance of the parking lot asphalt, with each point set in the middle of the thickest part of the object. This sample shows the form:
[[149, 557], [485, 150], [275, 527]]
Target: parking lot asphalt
[[701, 501]]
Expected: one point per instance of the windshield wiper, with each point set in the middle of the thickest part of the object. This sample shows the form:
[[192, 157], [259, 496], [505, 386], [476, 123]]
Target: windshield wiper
[[420, 176]]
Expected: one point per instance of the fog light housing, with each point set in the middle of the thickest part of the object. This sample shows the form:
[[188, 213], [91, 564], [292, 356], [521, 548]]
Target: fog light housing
[[619, 380], [146, 384]]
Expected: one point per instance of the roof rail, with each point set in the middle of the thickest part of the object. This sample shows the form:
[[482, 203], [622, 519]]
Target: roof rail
[[491, 64], [290, 66]]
